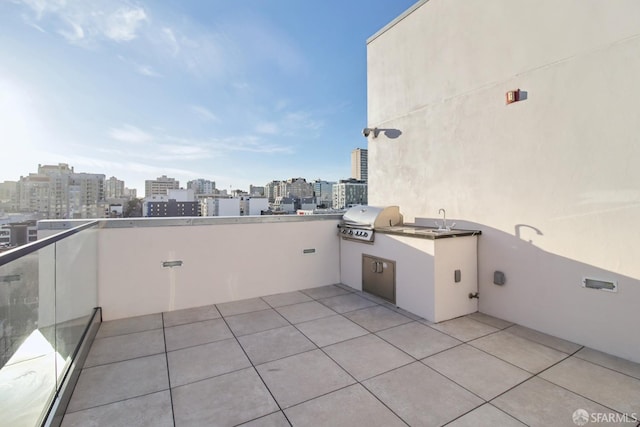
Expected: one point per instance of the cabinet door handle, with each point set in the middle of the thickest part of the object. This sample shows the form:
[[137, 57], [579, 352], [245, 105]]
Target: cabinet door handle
[[374, 266], [379, 263]]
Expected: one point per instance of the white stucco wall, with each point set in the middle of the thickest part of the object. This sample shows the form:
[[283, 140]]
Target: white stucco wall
[[222, 262], [552, 181]]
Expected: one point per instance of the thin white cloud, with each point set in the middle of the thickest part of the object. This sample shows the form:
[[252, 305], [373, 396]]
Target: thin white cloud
[[171, 40], [73, 34], [29, 21], [204, 114], [147, 70], [302, 120], [86, 22], [123, 24], [268, 128], [130, 134], [251, 144]]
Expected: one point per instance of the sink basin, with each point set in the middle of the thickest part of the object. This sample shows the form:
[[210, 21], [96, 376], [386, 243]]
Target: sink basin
[[436, 231]]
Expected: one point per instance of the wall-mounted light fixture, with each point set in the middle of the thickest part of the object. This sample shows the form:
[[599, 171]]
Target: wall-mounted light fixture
[[512, 96], [367, 131]]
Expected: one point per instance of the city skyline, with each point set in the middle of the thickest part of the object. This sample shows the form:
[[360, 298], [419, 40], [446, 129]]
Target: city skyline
[[182, 184], [239, 94]]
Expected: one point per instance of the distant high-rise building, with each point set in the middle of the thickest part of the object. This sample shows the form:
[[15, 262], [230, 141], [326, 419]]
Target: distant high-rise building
[[160, 185], [9, 196], [256, 191], [296, 187], [359, 164], [272, 190], [86, 196], [33, 193], [349, 192], [202, 186], [323, 192], [56, 191], [113, 188], [131, 193]]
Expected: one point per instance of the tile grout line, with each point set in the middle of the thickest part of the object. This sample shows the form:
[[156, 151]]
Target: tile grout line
[[603, 366], [117, 401], [573, 391], [130, 333], [340, 366], [349, 374], [493, 406], [166, 359], [254, 366]]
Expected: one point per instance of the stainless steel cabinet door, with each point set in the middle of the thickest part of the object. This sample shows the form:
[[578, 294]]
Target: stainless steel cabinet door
[[379, 277]]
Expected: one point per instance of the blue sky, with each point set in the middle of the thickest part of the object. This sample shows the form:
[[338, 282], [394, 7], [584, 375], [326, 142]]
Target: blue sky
[[236, 91]]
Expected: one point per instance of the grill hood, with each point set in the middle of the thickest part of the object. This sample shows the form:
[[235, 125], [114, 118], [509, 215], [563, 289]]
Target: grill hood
[[373, 216]]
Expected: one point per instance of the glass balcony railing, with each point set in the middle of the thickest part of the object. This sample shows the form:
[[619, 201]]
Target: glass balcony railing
[[48, 295]]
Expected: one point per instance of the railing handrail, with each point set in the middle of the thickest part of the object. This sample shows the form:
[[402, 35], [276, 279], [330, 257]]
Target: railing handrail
[[14, 254]]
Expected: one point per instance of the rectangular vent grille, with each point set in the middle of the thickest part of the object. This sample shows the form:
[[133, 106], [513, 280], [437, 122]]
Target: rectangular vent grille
[[603, 285]]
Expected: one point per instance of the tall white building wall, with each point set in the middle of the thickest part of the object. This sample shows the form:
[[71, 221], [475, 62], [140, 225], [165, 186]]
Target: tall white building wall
[[552, 180], [257, 205], [227, 207]]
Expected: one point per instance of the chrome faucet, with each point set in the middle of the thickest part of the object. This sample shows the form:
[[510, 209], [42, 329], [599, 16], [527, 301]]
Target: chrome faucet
[[444, 225]]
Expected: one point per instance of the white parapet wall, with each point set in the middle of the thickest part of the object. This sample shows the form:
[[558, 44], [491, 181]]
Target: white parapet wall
[[551, 180], [222, 260]]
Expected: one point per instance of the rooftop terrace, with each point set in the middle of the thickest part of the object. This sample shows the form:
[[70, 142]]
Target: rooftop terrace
[[332, 356], [244, 329]]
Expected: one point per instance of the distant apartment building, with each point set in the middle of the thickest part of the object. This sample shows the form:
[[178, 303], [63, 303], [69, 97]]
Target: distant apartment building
[[160, 185], [349, 192], [296, 187], [359, 164], [307, 203], [56, 191], [171, 208], [202, 186], [18, 234], [272, 191], [323, 192], [233, 206], [220, 206], [86, 196], [253, 205], [176, 202], [113, 188], [9, 196], [256, 190], [5, 236], [160, 205], [285, 204], [130, 193], [33, 193]]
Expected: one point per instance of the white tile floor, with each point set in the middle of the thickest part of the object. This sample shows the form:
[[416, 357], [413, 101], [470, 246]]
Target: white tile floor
[[332, 356]]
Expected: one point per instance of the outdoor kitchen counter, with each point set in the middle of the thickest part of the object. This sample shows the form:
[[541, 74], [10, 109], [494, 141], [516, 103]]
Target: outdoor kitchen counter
[[410, 230]]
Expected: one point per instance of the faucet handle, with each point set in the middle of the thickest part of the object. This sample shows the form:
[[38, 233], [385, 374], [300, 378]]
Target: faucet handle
[[451, 226]]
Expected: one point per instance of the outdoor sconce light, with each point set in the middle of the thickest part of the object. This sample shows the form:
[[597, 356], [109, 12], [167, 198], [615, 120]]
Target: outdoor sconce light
[[513, 96], [367, 131]]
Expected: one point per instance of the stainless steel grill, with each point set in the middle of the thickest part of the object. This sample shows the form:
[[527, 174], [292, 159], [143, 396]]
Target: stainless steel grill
[[359, 222]]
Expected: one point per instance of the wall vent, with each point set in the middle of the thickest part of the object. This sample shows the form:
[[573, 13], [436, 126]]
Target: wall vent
[[603, 285]]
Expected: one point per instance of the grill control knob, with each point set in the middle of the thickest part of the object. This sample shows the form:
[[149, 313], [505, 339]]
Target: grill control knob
[[351, 232], [366, 234]]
